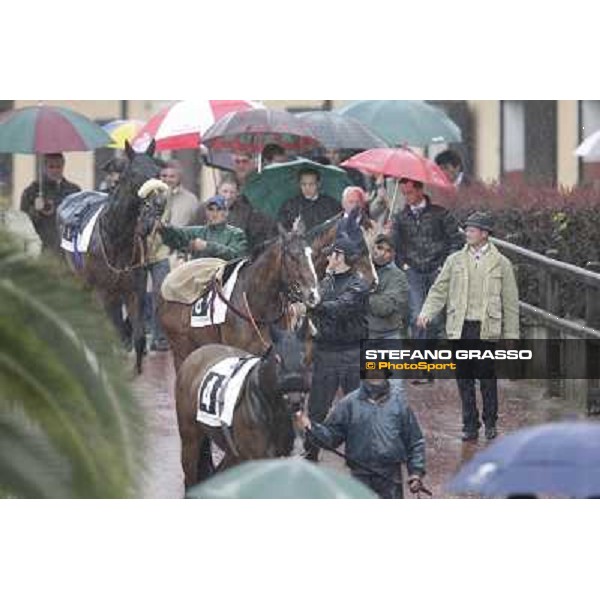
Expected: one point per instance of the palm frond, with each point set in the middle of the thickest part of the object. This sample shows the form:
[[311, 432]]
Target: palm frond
[[61, 370]]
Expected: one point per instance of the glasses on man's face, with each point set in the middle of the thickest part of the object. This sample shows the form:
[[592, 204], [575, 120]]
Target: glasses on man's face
[[213, 208], [241, 161]]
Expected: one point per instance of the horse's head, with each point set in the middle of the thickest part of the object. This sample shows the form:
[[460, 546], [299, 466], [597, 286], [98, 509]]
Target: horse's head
[[288, 355], [153, 196], [141, 166], [299, 275]]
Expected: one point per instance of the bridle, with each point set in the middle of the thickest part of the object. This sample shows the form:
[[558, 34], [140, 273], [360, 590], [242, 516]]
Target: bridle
[[289, 293], [138, 238]]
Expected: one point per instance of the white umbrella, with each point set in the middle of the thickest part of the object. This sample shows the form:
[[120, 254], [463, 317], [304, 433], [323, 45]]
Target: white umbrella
[[590, 147]]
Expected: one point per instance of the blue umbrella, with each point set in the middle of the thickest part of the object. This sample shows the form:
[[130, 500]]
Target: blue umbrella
[[555, 459]]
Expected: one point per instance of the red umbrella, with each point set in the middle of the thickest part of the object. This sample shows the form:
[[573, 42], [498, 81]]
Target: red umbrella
[[182, 124], [400, 163], [251, 130]]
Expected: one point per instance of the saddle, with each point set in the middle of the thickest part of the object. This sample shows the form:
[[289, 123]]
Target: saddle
[[190, 281], [76, 210]]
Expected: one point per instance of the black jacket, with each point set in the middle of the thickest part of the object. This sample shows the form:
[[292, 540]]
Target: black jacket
[[378, 435], [424, 242], [314, 212], [341, 317], [46, 224]]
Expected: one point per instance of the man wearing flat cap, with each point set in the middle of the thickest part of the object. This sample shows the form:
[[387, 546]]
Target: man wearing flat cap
[[341, 322], [478, 287]]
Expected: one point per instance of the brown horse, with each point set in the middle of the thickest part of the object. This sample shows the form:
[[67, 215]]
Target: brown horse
[[282, 271], [262, 282], [262, 424], [113, 263]]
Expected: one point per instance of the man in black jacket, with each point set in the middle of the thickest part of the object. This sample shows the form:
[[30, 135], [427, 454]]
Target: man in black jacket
[[314, 207], [341, 322], [41, 204], [425, 235]]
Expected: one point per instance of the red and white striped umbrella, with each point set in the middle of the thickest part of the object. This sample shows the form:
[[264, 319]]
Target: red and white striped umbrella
[[182, 124]]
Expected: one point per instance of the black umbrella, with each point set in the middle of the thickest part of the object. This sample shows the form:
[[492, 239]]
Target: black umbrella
[[336, 131]]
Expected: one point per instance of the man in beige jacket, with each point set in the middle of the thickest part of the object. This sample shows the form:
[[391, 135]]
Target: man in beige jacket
[[478, 287]]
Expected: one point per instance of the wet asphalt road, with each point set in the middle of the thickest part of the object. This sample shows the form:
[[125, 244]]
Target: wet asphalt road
[[437, 407]]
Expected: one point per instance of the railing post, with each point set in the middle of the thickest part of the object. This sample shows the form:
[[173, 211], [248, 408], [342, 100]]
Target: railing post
[[592, 319]]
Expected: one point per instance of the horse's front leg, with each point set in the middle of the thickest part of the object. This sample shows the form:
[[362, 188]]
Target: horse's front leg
[[135, 299]]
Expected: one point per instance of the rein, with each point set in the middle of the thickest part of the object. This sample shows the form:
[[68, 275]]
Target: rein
[[216, 286]]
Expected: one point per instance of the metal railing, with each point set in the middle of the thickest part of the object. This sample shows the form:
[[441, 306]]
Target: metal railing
[[548, 324]]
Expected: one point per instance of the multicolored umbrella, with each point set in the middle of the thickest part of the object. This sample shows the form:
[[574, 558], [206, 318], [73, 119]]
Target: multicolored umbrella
[[251, 130], [122, 130], [342, 132], [410, 122], [46, 129], [283, 478], [182, 124], [400, 163], [278, 182]]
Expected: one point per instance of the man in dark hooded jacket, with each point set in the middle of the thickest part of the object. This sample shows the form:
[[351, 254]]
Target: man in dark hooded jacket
[[380, 433]]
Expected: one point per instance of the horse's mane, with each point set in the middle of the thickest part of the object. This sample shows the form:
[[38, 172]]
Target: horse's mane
[[259, 249], [322, 228]]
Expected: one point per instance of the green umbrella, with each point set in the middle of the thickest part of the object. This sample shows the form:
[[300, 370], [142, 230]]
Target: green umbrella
[[278, 182], [283, 478], [410, 122]]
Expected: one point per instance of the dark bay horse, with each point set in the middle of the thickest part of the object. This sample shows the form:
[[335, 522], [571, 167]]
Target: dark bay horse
[[263, 281], [282, 271], [113, 263], [262, 424]]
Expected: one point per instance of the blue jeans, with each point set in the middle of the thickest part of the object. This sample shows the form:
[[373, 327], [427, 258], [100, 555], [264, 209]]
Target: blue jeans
[[158, 271], [418, 287]]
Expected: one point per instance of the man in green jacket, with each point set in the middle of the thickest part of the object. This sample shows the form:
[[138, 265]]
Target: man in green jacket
[[388, 304], [478, 287], [214, 240]]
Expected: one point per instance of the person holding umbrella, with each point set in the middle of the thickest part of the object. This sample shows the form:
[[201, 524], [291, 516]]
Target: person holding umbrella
[[41, 199], [478, 287], [424, 234], [311, 204]]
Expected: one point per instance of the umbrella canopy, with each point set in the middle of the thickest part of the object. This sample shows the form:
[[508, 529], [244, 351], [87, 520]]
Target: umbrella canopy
[[411, 122], [182, 124], [122, 130], [399, 163], [590, 147], [335, 131], [555, 459], [251, 130], [278, 182], [283, 478], [48, 129]]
